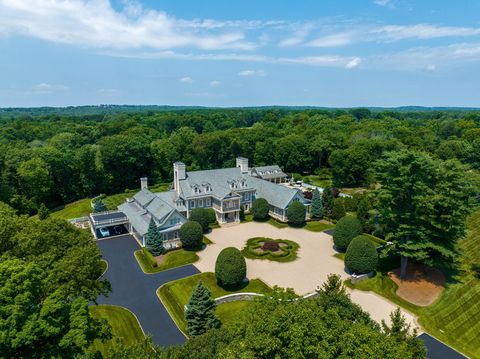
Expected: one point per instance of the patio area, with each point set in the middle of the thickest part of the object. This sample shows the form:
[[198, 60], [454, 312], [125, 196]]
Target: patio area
[[315, 262]]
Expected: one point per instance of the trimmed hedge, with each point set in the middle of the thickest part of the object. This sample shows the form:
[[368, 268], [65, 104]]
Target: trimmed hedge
[[361, 256], [260, 209], [201, 216], [191, 235], [296, 213], [287, 253], [346, 229], [150, 259], [230, 268]]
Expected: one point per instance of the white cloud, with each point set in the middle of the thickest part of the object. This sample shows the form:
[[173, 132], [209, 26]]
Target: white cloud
[[384, 2], [97, 24], [45, 88], [431, 67], [353, 63], [333, 40], [251, 73], [298, 36], [186, 80], [215, 83], [421, 32]]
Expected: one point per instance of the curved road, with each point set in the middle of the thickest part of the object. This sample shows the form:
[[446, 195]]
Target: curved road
[[136, 291]]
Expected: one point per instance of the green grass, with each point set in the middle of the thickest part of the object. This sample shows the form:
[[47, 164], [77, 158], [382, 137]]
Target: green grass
[[276, 223], [228, 312], [455, 317], [176, 258], [288, 253], [124, 325], [317, 226], [174, 295], [75, 209], [317, 181], [103, 265]]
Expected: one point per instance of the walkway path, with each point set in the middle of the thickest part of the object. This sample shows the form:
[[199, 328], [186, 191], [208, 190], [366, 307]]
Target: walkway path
[[136, 291]]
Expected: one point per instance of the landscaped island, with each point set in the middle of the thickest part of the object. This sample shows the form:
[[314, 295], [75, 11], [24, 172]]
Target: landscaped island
[[280, 250]]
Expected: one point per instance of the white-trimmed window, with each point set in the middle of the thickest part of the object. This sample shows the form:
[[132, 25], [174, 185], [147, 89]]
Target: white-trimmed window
[[200, 203], [208, 202], [192, 204]]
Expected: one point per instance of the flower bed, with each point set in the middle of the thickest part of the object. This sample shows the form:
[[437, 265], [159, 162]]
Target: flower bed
[[280, 250]]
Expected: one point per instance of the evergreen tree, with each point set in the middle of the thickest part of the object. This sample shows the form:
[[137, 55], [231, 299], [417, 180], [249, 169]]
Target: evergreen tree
[[327, 202], [200, 312], [317, 206], [363, 214], [43, 212], [154, 239], [99, 206]]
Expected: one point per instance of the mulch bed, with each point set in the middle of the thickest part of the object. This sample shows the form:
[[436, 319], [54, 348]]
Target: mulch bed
[[422, 285]]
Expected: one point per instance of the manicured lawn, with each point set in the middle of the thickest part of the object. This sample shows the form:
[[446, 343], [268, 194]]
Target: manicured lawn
[[124, 326], [103, 265], [287, 253], [317, 226], [228, 312], [172, 259], [174, 295], [276, 223], [75, 209], [455, 317]]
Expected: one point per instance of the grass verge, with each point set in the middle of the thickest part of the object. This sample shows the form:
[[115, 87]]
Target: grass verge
[[103, 265], [124, 324], [75, 209], [176, 258], [175, 295]]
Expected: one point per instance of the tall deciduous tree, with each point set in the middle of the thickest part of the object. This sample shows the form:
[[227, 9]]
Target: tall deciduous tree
[[327, 201], [154, 239], [200, 312], [422, 204], [317, 206]]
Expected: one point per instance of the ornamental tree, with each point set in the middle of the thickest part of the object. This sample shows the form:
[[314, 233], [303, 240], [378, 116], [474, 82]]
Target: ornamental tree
[[200, 311], [191, 235], [230, 268], [338, 209], [260, 209], [317, 205], [361, 256], [296, 213], [345, 230], [327, 202], [363, 213], [43, 212], [201, 216], [154, 240], [422, 203]]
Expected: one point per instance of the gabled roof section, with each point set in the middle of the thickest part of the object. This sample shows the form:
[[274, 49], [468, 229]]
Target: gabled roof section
[[144, 197], [159, 209], [276, 195], [267, 172], [219, 182]]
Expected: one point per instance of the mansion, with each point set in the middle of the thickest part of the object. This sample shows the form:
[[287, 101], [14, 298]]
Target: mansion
[[225, 190]]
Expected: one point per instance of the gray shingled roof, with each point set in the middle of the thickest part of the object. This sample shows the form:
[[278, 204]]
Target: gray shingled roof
[[170, 197], [275, 194], [219, 180], [268, 172], [138, 217]]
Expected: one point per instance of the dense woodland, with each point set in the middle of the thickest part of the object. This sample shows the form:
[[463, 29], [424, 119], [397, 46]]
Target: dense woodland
[[57, 158]]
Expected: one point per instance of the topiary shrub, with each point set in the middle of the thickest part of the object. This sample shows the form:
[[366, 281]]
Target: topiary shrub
[[230, 268], [346, 229], [270, 246], [361, 256], [212, 217], [201, 216], [296, 213], [260, 209], [191, 235]]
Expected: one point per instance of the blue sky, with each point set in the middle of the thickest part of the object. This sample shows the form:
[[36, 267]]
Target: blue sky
[[240, 53]]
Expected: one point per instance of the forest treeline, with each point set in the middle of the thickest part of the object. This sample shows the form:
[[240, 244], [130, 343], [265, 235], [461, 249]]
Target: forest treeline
[[56, 158]]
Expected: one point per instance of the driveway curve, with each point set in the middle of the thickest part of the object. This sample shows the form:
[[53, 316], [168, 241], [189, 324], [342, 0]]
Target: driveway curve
[[136, 291]]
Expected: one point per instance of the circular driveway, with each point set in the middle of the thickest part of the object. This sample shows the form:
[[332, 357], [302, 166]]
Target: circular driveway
[[314, 263]]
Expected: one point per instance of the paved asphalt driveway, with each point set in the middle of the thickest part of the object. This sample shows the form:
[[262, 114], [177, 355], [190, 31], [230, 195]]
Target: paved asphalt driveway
[[136, 291]]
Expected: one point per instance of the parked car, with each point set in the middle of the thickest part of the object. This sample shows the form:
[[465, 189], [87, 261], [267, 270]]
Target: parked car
[[104, 232]]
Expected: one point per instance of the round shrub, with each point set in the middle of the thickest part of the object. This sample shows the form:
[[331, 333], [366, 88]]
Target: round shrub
[[201, 216], [260, 209], [270, 246], [191, 235], [296, 213], [212, 217], [230, 268], [361, 256], [338, 209], [347, 228]]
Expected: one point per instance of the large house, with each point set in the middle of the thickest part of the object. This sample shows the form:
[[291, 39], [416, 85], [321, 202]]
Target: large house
[[225, 190]]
